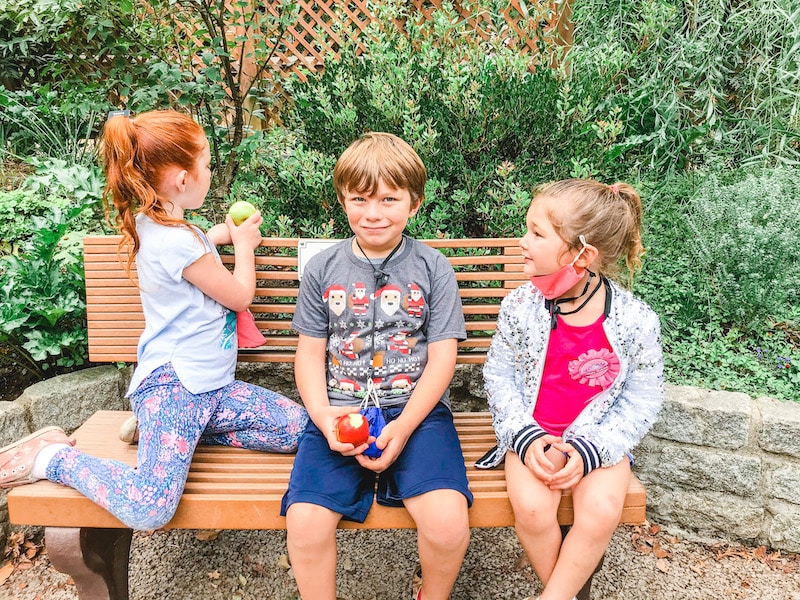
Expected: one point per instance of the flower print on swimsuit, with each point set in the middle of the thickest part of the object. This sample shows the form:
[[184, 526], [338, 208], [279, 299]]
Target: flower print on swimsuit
[[595, 368]]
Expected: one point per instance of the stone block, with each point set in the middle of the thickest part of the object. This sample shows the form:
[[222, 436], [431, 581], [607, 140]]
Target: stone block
[[68, 400], [278, 377], [703, 418], [717, 515], [702, 469], [784, 483], [784, 531], [780, 426], [14, 421]]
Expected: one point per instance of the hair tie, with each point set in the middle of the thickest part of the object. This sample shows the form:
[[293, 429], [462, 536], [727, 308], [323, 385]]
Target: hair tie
[[118, 113], [614, 188]]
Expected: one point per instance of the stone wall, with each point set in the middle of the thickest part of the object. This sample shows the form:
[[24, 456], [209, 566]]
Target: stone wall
[[716, 466], [722, 465]]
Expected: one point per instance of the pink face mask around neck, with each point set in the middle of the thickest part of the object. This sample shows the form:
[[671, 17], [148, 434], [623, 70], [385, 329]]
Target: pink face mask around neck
[[554, 285]]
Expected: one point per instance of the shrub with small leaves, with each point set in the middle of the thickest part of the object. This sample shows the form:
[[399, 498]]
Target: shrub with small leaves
[[746, 239]]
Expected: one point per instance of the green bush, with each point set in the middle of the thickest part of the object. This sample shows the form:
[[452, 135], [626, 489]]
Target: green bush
[[712, 262], [691, 83], [483, 118], [746, 237]]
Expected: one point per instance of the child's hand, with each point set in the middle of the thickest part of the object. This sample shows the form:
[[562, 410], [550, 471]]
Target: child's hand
[[571, 473], [326, 421], [543, 459], [391, 441], [248, 233]]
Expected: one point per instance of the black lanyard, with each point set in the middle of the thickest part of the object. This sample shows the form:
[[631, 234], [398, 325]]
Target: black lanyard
[[381, 276]]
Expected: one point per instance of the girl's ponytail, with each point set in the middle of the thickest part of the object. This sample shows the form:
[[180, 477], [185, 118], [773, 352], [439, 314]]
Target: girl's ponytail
[[125, 183], [136, 153], [633, 248]]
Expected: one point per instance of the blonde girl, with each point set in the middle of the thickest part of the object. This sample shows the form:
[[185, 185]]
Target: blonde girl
[[573, 376]]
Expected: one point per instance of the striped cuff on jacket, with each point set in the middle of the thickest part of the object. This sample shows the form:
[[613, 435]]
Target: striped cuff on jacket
[[525, 438], [589, 454]]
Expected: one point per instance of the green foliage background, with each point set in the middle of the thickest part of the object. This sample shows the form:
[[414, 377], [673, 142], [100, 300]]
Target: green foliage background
[[696, 104]]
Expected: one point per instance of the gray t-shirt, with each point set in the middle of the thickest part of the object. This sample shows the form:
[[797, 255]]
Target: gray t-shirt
[[378, 334]]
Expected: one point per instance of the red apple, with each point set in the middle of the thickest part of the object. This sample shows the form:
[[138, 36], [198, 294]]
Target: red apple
[[352, 429]]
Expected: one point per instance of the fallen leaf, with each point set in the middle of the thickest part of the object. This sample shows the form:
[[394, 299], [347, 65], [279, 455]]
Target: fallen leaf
[[658, 551], [283, 562], [662, 565], [5, 572], [654, 529], [699, 568], [214, 575], [207, 535], [242, 580]]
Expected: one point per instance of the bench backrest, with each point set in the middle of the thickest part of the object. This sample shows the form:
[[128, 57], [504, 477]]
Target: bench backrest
[[486, 270]]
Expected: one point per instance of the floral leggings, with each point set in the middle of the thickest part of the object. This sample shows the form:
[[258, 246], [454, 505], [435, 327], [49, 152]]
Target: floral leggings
[[172, 421]]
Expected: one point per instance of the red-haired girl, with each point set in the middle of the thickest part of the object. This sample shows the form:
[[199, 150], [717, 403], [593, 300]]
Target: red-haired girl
[[183, 390]]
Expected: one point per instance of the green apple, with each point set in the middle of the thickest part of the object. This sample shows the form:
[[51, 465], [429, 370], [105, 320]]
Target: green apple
[[240, 211]]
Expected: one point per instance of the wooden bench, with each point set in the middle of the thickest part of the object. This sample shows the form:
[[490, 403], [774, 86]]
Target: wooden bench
[[230, 488]]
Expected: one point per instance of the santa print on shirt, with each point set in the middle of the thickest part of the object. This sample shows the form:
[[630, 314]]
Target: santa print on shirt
[[384, 348]]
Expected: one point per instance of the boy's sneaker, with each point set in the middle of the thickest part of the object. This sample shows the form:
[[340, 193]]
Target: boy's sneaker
[[16, 460], [129, 430]]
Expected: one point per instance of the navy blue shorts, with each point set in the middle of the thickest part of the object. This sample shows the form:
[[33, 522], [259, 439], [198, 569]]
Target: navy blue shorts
[[431, 460]]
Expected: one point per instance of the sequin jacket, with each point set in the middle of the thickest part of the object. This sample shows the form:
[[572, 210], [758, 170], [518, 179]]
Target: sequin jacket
[[615, 420]]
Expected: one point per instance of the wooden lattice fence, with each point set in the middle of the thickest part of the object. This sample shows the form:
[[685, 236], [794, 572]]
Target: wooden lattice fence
[[323, 26]]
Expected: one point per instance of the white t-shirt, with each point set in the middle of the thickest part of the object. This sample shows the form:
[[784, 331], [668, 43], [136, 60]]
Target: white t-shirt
[[182, 325]]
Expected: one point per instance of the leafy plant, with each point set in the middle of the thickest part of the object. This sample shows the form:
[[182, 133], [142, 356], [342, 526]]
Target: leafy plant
[[42, 304], [53, 185], [40, 122], [745, 238], [701, 83], [219, 65]]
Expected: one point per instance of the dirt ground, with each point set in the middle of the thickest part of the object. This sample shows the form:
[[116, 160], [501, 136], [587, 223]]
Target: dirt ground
[[642, 562]]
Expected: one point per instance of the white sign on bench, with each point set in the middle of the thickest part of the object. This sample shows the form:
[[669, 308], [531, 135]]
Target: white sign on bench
[[308, 248]]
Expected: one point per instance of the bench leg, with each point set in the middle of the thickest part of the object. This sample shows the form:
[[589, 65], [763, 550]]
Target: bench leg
[[96, 559], [586, 590]]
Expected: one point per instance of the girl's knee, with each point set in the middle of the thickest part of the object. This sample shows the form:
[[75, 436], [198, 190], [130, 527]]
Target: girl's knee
[[601, 514], [153, 518], [534, 514]]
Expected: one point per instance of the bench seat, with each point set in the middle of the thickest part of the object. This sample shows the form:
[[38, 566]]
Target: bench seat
[[232, 488]]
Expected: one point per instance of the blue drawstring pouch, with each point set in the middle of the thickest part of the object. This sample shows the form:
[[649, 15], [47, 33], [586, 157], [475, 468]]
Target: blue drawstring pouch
[[372, 412]]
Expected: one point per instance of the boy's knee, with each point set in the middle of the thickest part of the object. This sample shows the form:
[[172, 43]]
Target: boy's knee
[[449, 528], [309, 524], [447, 534]]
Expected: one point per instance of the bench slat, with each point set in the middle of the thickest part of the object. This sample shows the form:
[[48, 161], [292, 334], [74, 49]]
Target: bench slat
[[491, 268], [230, 488]]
